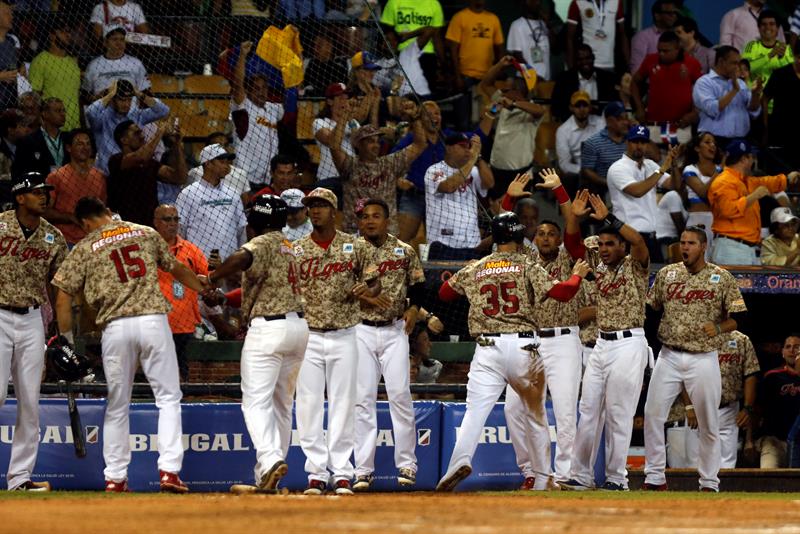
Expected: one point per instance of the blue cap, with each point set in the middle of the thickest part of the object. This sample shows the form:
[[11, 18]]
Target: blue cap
[[614, 109], [638, 132], [739, 147]]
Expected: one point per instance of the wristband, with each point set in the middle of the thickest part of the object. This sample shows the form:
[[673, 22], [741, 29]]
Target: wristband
[[612, 221], [561, 194], [689, 407]]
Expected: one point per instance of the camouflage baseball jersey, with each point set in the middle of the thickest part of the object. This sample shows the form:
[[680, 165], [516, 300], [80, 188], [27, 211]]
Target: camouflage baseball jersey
[[327, 276], [398, 267], [690, 300], [26, 265], [552, 313], [587, 296], [270, 285], [621, 293], [377, 179], [117, 267], [503, 289]]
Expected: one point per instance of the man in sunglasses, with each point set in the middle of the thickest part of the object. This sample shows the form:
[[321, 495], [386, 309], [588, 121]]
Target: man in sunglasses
[[581, 125]]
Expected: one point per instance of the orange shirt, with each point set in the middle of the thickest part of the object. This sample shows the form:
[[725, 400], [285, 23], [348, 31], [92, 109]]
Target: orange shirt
[[476, 34], [732, 216], [70, 186], [185, 314]]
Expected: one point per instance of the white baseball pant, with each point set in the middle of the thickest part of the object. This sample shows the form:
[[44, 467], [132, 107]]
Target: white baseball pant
[[126, 342], [728, 439], [492, 368], [612, 384], [22, 358], [271, 358], [329, 363], [383, 351], [523, 428], [699, 373]]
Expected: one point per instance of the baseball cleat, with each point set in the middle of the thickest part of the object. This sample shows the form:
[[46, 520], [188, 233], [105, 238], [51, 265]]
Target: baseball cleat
[[171, 483], [573, 485], [33, 486], [315, 487], [654, 487], [611, 486], [117, 487], [709, 490], [342, 487], [270, 479], [406, 476], [363, 483], [449, 482], [528, 483]]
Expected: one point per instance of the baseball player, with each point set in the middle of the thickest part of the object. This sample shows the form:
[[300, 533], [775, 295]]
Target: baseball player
[[116, 266], [382, 339], [560, 343], [31, 250], [614, 373], [330, 264], [700, 301], [276, 338], [503, 289]]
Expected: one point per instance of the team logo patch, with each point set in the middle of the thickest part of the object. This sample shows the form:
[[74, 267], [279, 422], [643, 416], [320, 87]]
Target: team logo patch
[[423, 437], [3, 226], [714, 279], [602, 268], [732, 344], [588, 12], [92, 434], [347, 248], [298, 250], [671, 276], [398, 251], [49, 238]]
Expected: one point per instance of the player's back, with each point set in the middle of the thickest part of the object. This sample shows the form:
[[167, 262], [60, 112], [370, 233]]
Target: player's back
[[270, 286], [499, 291], [120, 265]]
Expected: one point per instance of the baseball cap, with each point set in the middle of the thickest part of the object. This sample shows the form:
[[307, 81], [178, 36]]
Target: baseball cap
[[29, 182], [364, 132], [739, 147], [293, 198], [335, 89], [364, 60], [116, 28], [782, 215], [215, 151], [614, 109], [637, 132], [320, 192], [457, 139], [580, 96]]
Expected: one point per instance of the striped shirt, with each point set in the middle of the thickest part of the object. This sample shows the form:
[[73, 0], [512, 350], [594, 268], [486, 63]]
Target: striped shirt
[[599, 152]]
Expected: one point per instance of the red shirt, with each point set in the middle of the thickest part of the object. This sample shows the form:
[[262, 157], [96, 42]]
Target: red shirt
[[670, 95]]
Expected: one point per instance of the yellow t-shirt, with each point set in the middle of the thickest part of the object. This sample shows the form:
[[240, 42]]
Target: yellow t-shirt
[[476, 33]]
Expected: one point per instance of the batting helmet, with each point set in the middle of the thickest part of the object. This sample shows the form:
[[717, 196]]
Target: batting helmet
[[68, 364], [267, 211], [507, 228]]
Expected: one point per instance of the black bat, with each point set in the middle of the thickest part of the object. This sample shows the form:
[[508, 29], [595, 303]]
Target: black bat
[[78, 436]]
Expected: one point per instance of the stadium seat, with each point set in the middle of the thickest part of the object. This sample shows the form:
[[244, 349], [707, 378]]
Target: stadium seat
[[218, 109], [208, 85], [164, 83], [306, 113]]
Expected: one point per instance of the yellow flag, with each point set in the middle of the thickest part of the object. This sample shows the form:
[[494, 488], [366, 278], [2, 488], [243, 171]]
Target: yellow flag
[[282, 50]]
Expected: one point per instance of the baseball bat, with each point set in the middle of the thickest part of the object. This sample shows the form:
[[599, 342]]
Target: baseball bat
[[78, 436]]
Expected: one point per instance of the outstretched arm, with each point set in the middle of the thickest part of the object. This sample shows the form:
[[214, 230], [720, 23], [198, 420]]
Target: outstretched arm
[[639, 250]]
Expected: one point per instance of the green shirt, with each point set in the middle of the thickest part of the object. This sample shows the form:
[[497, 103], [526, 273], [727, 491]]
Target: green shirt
[[761, 65], [408, 15], [59, 77]]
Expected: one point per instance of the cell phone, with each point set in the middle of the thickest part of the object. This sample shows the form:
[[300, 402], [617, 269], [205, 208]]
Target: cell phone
[[493, 109], [176, 123]]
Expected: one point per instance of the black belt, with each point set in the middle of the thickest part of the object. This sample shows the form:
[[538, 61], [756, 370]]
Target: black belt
[[590, 344], [742, 241], [614, 336], [378, 323], [279, 316], [323, 330], [721, 406], [519, 334], [678, 349], [20, 310], [551, 332]]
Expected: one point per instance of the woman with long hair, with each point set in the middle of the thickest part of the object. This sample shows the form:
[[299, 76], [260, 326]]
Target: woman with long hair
[[703, 159]]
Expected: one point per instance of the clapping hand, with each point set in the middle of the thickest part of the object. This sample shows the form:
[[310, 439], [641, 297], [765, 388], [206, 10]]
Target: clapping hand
[[516, 188], [550, 179], [600, 209], [579, 204]]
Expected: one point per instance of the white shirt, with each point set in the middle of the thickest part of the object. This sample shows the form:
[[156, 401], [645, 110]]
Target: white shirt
[[693, 170], [409, 60], [260, 144], [671, 202], [452, 218], [528, 35], [588, 84], [598, 19], [293, 234], [514, 139], [128, 15], [570, 137], [236, 179], [326, 167], [212, 217], [639, 213], [101, 72]]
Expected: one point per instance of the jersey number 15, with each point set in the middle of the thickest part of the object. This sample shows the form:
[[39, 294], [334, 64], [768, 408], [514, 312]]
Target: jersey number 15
[[494, 293], [128, 266]]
